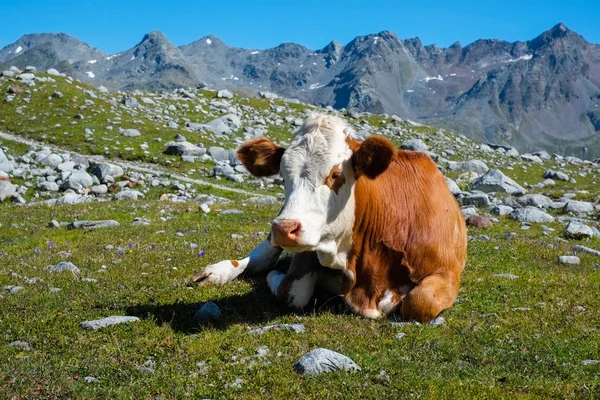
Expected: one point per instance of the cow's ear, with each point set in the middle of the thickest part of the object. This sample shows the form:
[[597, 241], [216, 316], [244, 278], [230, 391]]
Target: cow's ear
[[373, 156], [261, 157]]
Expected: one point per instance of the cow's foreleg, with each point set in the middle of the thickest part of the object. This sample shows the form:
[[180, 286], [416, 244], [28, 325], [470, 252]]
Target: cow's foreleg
[[261, 259], [296, 287], [430, 297]]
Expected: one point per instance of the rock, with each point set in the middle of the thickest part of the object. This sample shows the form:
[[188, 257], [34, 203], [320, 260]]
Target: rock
[[296, 328], [569, 260], [208, 313], [129, 101], [5, 164], [20, 344], [587, 250], [495, 181], [48, 186], [507, 276], [15, 289], [99, 190], [130, 132], [531, 157], [108, 321], [52, 160], [218, 126], [578, 207], [77, 180], [577, 230], [226, 94], [530, 214], [90, 379], [268, 95], [7, 190], [264, 199], [184, 149], [590, 362], [53, 71], [476, 166], [62, 267], [479, 200], [414, 145], [454, 189], [322, 360], [128, 195], [478, 221], [501, 210], [439, 321], [92, 224], [535, 200], [102, 170], [556, 175]]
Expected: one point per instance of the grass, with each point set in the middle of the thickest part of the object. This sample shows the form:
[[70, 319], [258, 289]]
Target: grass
[[505, 338]]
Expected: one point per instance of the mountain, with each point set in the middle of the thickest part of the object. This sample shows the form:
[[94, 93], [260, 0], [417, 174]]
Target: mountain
[[539, 94]]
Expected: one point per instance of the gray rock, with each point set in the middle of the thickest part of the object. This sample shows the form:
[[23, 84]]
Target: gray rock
[[20, 344], [62, 267], [322, 360], [15, 289], [495, 181], [7, 190], [268, 95], [102, 170], [218, 126], [92, 224], [52, 160], [263, 199], [577, 230], [556, 175], [232, 121], [48, 186], [587, 250], [184, 149], [414, 145], [130, 133], [99, 189], [569, 260], [507, 276], [129, 101], [454, 189], [5, 163], [53, 71], [208, 313], [77, 180], [578, 207], [590, 362], [535, 200], [476, 166], [478, 200], [90, 379], [108, 321], [129, 195], [501, 210], [296, 328], [530, 214], [226, 94]]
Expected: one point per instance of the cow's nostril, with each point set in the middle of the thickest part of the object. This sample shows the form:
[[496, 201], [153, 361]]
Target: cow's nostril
[[295, 230], [286, 232]]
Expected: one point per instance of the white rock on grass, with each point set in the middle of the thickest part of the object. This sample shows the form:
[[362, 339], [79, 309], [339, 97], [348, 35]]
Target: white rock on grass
[[296, 328], [322, 360], [569, 260], [495, 181], [507, 276], [7, 190], [577, 230], [19, 343], [129, 195], [92, 224], [530, 214], [108, 321], [62, 267]]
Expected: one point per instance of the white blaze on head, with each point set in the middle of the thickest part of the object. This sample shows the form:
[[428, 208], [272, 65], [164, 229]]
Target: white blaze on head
[[319, 179]]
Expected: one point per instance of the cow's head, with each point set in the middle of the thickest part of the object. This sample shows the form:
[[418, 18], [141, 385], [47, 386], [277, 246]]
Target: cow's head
[[319, 169]]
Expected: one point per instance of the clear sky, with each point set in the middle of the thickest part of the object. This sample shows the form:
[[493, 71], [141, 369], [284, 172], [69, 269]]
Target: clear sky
[[113, 26]]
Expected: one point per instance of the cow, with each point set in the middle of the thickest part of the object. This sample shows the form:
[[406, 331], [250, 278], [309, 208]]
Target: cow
[[375, 224]]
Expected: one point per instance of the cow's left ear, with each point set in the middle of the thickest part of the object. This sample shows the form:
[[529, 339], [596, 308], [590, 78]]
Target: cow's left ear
[[373, 156], [261, 157]]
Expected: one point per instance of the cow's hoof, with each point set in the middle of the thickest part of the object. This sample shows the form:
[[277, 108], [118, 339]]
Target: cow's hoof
[[217, 274]]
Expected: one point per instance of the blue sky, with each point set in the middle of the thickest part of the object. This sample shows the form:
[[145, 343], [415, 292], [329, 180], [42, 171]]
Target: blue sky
[[113, 26]]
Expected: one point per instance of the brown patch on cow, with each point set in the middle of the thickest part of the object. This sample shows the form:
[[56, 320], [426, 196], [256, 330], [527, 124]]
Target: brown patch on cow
[[336, 179], [373, 156], [477, 221], [261, 157], [408, 233], [235, 263]]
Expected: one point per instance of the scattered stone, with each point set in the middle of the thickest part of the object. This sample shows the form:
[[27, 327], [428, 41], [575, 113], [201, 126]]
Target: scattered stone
[[501, 210], [90, 379], [477, 166], [296, 328], [7, 190], [477, 221], [92, 224], [108, 321], [414, 145], [130, 133], [184, 149], [208, 313], [590, 362], [575, 206], [556, 175], [569, 260], [62, 267], [128, 195], [577, 230], [226, 94], [495, 181], [507, 276], [530, 214], [20, 344], [587, 250], [322, 360]]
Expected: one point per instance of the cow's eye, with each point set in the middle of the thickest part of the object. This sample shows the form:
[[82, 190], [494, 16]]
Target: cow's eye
[[336, 175]]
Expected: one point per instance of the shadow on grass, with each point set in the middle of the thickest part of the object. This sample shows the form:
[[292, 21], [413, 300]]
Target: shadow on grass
[[256, 308]]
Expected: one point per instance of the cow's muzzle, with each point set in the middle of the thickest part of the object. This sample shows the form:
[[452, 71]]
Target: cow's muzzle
[[286, 232]]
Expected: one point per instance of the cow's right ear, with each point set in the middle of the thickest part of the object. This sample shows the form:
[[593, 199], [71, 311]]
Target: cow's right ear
[[261, 157]]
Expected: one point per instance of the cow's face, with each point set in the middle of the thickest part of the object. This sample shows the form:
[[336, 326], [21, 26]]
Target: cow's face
[[319, 169]]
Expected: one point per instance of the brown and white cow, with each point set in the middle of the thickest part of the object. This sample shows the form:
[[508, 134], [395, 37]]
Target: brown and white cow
[[376, 224]]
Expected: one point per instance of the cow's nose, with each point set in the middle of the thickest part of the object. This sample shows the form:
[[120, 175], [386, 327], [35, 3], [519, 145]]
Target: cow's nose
[[286, 232]]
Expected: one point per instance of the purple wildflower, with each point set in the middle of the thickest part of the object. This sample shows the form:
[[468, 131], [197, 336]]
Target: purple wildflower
[[201, 253], [121, 287], [37, 250], [68, 242], [152, 300], [51, 245]]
